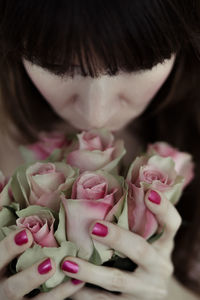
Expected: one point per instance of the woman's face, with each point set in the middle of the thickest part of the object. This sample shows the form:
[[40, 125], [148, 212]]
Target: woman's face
[[107, 101]]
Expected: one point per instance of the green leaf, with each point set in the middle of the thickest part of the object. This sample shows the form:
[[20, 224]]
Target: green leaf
[[6, 230], [44, 289], [20, 187], [174, 194], [123, 218], [55, 156], [7, 216], [60, 233], [30, 257], [156, 236], [119, 152], [27, 154], [95, 258], [4, 195]]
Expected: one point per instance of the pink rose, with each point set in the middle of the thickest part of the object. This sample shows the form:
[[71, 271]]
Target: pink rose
[[144, 174], [41, 224], [183, 161], [153, 172], [47, 143], [96, 149], [46, 182], [95, 195]]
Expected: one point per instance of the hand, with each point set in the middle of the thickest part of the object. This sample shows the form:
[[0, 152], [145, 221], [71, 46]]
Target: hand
[[20, 284], [150, 279]]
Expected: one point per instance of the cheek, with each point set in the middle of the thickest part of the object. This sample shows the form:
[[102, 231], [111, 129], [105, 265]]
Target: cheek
[[54, 92], [53, 89], [145, 87], [152, 86]]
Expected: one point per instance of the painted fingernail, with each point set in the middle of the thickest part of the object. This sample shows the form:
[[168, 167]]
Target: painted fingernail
[[70, 266], [45, 266], [76, 281], [21, 238], [154, 197], [100, 230]]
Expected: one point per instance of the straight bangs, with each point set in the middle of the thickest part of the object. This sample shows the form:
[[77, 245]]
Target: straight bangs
[[91, 37]]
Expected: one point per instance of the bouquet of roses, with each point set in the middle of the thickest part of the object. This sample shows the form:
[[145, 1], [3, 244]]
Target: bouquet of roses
[[69, 181]]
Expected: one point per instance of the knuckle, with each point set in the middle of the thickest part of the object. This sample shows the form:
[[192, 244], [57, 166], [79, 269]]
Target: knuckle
[[174, 226], [168, 270], [172, 221], [115, 235], [165, 268], [143, 251], [178, 221], [117, 280]]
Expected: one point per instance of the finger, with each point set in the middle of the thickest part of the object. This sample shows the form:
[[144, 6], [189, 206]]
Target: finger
[[13, 245], [25, 281], [108, 278], [167, 216], [62, 291], [130, 244], [94, 294]]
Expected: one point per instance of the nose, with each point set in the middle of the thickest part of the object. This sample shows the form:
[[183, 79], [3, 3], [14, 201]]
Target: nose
[[97, 101]]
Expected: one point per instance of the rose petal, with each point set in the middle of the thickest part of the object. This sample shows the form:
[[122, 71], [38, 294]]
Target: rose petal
[[50, 200], [97, 183], [151, 224], [141, 220], [89, 160], [44, 237], [79, 215], [89, 141]]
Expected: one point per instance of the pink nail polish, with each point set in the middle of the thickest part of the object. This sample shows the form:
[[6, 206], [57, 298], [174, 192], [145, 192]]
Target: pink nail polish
[[76, 281], [21, 238], [45, 266], [70, 266], [154, 197], [100, 230]]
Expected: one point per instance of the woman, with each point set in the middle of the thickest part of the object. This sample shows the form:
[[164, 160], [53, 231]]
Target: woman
[[133, 67]]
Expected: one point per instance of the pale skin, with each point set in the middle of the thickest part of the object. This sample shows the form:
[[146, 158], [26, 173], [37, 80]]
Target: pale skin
[[110, 102]]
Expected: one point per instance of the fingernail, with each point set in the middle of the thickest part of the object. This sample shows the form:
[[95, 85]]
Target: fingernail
[[70, 266], [45, 266], [100, 230], [154, 197], [76, 281], [21, 238]]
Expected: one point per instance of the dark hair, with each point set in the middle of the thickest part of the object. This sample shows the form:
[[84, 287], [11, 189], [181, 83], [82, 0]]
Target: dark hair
[[107, 37]]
